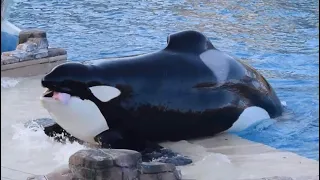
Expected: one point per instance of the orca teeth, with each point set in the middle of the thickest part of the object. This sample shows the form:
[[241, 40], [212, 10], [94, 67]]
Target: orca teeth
[[48, 93]]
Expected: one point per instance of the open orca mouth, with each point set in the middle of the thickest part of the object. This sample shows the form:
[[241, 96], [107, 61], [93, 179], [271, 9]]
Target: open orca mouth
[[48, 93], [51, 92], [63, 94]]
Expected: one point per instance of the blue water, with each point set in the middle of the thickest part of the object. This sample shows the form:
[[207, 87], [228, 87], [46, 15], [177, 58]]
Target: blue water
[[279, 38]]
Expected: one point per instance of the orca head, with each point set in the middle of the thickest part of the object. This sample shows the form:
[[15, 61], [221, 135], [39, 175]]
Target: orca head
[[69, 98]]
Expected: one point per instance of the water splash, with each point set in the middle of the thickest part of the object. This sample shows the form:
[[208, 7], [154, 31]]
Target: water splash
[[284, 103], [7, 82], [32, 141]]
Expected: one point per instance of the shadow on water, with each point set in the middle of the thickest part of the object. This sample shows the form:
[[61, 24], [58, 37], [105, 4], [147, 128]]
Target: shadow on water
[[279, 38]]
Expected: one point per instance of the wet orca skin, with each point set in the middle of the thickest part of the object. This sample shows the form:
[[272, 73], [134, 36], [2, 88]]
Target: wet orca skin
[[189, 89]]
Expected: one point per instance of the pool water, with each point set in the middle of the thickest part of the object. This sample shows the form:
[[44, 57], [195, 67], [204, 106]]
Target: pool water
[[279, 38]]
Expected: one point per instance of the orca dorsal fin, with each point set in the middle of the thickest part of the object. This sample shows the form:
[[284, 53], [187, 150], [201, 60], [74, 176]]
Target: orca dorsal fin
[[188, 42]]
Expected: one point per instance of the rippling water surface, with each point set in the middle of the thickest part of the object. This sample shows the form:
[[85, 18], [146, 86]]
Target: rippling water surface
[[278, 37]]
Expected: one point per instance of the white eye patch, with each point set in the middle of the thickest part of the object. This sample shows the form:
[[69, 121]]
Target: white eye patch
[[105, 93]]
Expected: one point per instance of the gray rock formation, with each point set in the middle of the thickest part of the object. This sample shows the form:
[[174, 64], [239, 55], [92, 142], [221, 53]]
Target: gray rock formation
[[110, 164], [159, 171], [33, 44]]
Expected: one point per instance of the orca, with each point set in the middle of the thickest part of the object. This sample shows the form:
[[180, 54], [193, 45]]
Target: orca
[[187, 90]]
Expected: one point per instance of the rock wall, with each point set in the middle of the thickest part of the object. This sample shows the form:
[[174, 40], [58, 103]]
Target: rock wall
[[112, 164]]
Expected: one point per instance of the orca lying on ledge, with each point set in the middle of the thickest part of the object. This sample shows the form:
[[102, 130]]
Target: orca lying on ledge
[[188, 90]]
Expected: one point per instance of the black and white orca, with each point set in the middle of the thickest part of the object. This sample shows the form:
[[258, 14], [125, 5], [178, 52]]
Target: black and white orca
[[187, 90]]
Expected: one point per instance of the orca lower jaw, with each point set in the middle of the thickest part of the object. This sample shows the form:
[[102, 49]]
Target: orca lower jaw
[[75, 90]]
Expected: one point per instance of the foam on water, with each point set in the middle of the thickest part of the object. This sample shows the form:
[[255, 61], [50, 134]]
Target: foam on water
[[284, 103]]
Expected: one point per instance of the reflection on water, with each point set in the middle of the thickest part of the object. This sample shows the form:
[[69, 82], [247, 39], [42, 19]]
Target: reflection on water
[[279, 38]]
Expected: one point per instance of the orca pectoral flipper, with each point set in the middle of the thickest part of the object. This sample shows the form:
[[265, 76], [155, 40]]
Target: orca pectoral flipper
[[59, 134], [117, 139], [52, 129], [111, 139]]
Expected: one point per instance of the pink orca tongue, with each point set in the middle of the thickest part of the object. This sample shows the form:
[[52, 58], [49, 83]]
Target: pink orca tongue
[[62, 97]]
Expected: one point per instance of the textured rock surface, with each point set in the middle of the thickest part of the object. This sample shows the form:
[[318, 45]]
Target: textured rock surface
[[159, 171], [27, 34], [105, 164], [33, 44], [118, 164], [7, 59], [56, 52]]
